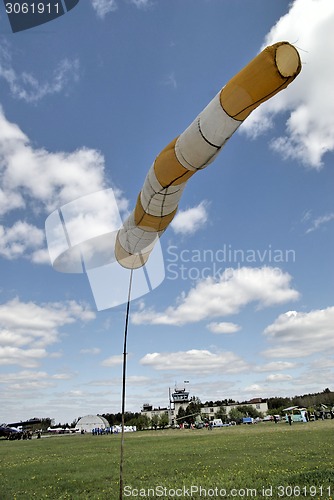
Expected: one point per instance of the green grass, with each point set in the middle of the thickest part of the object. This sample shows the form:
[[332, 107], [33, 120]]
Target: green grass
[[245, 458]]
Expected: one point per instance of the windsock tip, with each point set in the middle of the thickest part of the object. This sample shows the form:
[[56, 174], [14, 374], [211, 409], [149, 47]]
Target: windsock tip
[[287, 60]]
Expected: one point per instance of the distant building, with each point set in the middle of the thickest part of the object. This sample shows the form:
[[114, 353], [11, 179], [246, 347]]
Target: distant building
[[209, 412], [179, 398], [90, 422], [149, 412]]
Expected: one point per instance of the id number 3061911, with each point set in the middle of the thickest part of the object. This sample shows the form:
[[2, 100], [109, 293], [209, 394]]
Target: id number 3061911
[[318, 491], [32, 8]]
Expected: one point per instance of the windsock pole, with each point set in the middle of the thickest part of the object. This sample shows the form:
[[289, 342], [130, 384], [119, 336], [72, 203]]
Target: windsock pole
[[124, 387]]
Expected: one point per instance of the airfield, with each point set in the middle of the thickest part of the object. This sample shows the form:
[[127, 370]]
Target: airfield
[[266, 460]]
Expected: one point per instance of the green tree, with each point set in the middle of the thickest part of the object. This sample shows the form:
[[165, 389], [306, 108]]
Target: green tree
[[235, 414], [155, 421], [249, 411], [278, 402], [193, 409], [221, 413], [141, 422], [163, 420], [180, 415]]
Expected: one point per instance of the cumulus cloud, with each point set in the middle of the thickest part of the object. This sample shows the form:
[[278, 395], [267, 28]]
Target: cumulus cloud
[[200, 361], [276, 366], [28, 329], [25, 86], [19, 239], [309, 131], [94, 351], [113, 360], [278, 377], [104, 7], [298, 334], [61, 177], [190, 220], [10, 378], [223, 327], [35, 180], [29, 358], [224, 296], [137, 380], [26, 380], [254, 389]]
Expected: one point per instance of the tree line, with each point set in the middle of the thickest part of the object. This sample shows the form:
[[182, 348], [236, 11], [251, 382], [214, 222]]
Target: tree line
[[276, 405], [311, 401]]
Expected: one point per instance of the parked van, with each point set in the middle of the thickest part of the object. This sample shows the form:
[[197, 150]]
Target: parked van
[[297, 414]]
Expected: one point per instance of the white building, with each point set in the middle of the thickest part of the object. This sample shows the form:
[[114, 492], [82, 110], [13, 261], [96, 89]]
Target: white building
[[179, 398], [149, 411], [209, 412], [90, 422]]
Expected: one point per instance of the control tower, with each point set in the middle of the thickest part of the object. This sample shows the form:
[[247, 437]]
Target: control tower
[[179, 397]]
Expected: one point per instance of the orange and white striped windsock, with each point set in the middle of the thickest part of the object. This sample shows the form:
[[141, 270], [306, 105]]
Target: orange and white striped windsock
[[266, 75]]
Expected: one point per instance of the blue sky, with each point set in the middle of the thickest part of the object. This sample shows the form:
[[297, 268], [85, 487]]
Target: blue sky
[[246, 307]]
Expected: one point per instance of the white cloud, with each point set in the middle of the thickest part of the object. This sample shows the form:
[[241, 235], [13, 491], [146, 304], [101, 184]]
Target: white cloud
[[225, 296], [191, 220], [29, 358], [40, 256], [140, 4], [94, 351], [10, 200], [104, 7], [27, 87], [170, 80], [278, 377], [36, 180], [199, 361], [19, 239], [10, 378], [31, 380], [276, 366], [113, 360], [223, 327], [324, 362], [62, 376], [36, 174], [310, 124], [254, 389], [299, 334], [320, 221], [137, 380], [28, 329]]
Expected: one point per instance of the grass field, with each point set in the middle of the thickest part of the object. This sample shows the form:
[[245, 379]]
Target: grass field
[[253, 461]]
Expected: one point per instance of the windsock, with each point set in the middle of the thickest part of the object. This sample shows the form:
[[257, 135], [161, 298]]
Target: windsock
[[266, 75]]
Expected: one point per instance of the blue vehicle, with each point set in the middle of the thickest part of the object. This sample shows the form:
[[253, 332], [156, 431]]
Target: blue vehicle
[[10, 432]]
